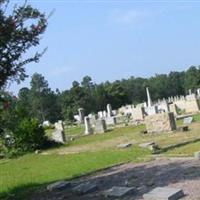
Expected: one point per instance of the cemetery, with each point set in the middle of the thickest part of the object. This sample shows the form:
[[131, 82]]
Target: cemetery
[[132, 133], [102, 157]]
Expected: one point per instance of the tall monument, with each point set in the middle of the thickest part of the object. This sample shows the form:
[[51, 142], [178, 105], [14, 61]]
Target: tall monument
[[149, 102]]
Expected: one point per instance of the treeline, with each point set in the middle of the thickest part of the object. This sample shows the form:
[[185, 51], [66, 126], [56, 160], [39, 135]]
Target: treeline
[[44, 104]]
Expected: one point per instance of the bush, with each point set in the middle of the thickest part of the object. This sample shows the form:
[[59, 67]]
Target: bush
[[28, 135]]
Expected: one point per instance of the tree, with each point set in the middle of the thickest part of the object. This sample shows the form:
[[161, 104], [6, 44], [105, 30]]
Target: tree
[[19, 31], [192, 78], [43, 101]]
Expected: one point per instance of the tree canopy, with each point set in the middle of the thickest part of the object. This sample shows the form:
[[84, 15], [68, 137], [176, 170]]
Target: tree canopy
[[19, 31]]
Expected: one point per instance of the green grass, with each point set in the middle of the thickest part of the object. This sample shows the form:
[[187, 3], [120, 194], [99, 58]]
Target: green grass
[[19, 175], [22, 175], [196, 118], [76, 130], [186, 150]]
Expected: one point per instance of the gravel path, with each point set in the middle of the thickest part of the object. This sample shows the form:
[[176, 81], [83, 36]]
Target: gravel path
[[183, 173]]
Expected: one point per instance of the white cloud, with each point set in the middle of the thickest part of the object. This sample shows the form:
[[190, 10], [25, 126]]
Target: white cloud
[[129, 16]]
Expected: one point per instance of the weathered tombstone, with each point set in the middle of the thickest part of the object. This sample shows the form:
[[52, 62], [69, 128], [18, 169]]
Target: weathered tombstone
[[104, 114], [187, 120], [88, 128], [100, 114], [160, 122], [111, 120], [100, 126], [151, 110], [109, 110], [58, 135], [119, 192], [59, 125], [93, 118], [138, 113], [81, 115], [85, 188], [164, 193]]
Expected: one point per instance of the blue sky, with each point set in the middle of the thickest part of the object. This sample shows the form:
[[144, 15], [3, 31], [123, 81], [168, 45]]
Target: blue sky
[[110, 40]]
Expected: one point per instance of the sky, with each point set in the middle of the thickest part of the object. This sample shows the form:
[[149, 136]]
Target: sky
[[110, 40]]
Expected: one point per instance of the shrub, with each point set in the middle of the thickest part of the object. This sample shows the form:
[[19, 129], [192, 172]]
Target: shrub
[[28, 135]]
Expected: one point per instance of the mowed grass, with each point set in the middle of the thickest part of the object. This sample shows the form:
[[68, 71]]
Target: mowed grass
[[22, 175], [85, 154], [185, 150]]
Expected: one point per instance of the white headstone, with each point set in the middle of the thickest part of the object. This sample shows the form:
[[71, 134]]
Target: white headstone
[[109, 110], [81, 115], [88, 129]]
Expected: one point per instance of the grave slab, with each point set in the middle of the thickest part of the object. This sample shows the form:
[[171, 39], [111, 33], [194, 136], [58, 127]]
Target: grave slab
[[125, 145], [118, 191], [164, 193], [187, 120], [58, 185], [85, 188], [146, 145]]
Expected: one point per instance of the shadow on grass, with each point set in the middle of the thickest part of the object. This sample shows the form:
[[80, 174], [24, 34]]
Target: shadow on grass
[[143, 177], [171, 147]]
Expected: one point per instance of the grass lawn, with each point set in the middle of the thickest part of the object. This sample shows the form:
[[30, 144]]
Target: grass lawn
[[22, 175], [185, 150]]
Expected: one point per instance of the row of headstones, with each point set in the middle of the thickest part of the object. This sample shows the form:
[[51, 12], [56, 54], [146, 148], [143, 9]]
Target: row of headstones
[[100, 126], [101, 114]]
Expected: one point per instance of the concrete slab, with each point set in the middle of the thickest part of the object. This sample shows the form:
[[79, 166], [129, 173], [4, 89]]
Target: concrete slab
[[125, 145], [164, 193], [146, 145], [118, 191], [85, 188], [187, 120]]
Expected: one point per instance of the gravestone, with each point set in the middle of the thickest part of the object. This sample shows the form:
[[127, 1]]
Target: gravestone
[[164, 193], [109, 110], [81, 115], [151, 110], [187, 120], [160, 122], [138, 113], [85, 188], [118, 192], [58, 135], [88, 128], [100, 114], [46, 123], [100, 126], [111, 120]]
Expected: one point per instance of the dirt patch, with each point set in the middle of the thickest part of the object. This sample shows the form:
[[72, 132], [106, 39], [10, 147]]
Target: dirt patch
[[183, 173]]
